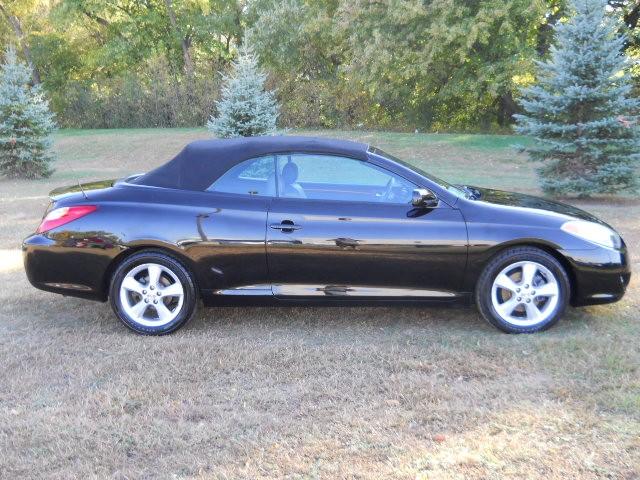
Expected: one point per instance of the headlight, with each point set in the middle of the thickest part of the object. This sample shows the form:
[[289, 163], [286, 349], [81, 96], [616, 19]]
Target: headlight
[[592, 232]]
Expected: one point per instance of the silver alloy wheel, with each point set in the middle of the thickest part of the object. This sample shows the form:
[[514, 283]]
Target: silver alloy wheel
[[525, 294], [151, 295]]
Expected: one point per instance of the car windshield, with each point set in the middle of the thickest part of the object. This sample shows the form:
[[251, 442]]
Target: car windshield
[[451, 188]]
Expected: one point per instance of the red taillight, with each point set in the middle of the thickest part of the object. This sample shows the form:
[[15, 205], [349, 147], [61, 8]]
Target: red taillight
[[60, 216]]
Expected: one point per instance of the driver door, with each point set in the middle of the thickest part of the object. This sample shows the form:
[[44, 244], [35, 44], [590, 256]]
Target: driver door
[[342, 227]]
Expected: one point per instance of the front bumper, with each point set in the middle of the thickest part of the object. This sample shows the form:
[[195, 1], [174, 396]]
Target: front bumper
[[600, 275]]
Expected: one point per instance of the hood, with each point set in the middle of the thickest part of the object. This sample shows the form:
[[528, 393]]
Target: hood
[[62, 192], [521, 200]]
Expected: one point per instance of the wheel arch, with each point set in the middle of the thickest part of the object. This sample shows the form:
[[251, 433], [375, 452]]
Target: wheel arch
[[151, 247], [549, 248]]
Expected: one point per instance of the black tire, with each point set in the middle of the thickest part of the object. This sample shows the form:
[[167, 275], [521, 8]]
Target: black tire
[[189, 302], [484, 287]]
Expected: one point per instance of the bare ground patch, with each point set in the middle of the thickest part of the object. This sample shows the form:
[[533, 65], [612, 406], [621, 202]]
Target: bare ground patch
[[314, 392]]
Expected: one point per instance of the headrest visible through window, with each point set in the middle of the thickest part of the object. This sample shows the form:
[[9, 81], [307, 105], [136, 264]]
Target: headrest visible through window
[[290, 173]]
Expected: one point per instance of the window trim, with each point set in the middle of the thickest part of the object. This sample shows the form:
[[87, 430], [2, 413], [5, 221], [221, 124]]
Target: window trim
[[248, 195], [366, 162]]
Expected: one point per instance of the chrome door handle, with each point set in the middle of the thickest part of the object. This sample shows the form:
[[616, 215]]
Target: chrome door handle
[[286, 226]]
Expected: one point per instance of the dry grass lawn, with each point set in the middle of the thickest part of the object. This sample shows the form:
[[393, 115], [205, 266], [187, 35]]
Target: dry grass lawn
[[310, 392]]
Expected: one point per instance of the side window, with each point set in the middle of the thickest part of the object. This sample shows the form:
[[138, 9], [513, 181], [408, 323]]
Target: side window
[[327, 177], [251, 177]]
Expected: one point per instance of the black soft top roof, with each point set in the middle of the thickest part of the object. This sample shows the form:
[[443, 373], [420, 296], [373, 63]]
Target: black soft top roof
[[202, 162]]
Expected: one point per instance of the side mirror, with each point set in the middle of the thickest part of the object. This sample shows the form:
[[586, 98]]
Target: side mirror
[[422, 197]]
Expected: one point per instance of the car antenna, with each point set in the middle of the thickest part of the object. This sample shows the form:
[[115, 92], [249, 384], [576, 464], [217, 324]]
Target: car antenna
[[82, 190]]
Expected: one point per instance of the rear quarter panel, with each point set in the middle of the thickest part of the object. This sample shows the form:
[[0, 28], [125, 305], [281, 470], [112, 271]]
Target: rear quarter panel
[[219, 238]]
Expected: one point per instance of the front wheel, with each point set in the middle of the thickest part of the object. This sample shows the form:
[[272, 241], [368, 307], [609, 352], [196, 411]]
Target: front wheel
[[152, 293], [523, 290]]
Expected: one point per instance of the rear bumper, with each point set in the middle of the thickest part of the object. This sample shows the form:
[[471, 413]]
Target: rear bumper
[[600, 275], [67, 266]]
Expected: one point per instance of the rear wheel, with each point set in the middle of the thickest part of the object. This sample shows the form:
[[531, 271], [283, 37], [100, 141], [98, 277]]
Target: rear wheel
[[523, 290], [152, 293]]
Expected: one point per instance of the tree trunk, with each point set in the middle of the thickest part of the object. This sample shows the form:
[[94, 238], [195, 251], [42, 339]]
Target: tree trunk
[[544, 34], [185, 41], [507, 107], [24, 45], [186, 54]]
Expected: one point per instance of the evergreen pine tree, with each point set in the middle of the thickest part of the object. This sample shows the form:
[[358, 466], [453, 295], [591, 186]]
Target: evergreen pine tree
[[245, 108], [26, 123], [580, 112]]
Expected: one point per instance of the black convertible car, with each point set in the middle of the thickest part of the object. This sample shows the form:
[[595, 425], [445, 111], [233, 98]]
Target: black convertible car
[[297, 219]]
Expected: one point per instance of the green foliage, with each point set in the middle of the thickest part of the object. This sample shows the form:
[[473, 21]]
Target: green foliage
[[122, 63], [25, 123], [436, 65], [245, 109], [302, 46], [118, 35], [156, 96], [443, 63], [581, 111]]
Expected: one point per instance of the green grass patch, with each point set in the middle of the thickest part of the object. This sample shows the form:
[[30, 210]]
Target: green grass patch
[[77, 132]]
